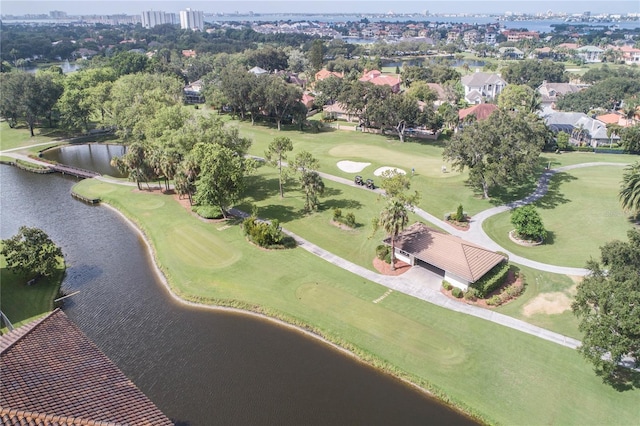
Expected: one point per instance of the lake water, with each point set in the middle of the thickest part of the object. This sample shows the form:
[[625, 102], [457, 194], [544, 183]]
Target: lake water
[[92, 156], [199, 366]]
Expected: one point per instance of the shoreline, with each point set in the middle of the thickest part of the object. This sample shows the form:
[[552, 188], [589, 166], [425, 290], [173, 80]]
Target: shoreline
[[304, 329]]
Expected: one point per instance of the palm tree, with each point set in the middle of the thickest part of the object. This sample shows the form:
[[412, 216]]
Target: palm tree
[[394, 218], [630, 190]]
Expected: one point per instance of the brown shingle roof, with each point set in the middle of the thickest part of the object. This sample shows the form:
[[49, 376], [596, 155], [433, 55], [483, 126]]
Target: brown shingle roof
[[53, 374], [447, 252], [481, 111]]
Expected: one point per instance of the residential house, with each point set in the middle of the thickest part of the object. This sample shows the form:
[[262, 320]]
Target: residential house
[[582, 129], [193, 93], [481, 86], [377, 78], [471, 37], [480, 112], [323, 73], [590, 54], [551, 92], [337, 111], [52, 374], [258, 71], [490, 38], [510, 53], [630, 55], [516, 36], [457, 261], [189, 53], [440, 92], [307, 100]]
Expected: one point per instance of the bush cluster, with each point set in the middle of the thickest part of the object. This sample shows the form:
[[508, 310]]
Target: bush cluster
[[208, 212], [456, 292], [446, 285], [492, 280], [265, 234], [471, 294], [383, 252], [349, 219]]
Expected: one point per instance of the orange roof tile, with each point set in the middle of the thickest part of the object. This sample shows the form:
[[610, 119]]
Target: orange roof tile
[[53, 374]]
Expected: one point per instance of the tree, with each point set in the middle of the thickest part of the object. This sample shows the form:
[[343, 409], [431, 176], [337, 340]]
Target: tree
[[305, 166], [393, 219], [135, 163], [528, 223], [276, 154], [316, 55], [395, 185], [533, 72], [31, 252], [607, 304], [281, 98], [221, 178], [396, 111], [630, 138], [313, 187], [516, 97], [501, 150], [562, 140], [630, 190]]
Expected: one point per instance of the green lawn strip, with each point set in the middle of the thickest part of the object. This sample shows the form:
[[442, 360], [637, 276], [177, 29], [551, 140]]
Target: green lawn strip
[[569, 158], [546, 302], [17, 137], [22, 303], [581, 212], [500, 374]]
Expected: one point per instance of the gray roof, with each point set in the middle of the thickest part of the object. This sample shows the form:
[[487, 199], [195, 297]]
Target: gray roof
[[480, 79], [561, 120], [550, 91]]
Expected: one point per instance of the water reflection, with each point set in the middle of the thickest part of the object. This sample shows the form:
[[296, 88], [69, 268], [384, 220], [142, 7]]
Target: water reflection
[[91, 156]]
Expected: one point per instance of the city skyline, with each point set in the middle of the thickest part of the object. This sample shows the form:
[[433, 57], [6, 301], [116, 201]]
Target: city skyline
[[12, 7]]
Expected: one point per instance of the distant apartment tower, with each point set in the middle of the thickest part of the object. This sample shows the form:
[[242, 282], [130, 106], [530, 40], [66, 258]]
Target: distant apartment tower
[[57, 14], [151, 18], [191, 19]]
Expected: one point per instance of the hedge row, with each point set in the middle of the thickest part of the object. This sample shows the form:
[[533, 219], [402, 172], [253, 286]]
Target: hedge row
[[492, 280]]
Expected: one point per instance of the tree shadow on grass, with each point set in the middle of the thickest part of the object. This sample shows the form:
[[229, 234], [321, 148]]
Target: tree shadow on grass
[[260, 188], [339, 204], [624, 379], [280, 212], [554, 196]]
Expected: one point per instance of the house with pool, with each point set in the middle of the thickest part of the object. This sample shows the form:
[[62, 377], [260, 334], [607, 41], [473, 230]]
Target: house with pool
[[457, 261]]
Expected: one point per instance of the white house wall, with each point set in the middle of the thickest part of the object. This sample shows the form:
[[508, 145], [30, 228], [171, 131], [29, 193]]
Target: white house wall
[[456, 281]]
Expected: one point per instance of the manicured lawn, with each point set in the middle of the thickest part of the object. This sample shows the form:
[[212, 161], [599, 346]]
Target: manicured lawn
[[581, 213], [546, 302], [503, 375], [15, 138], [22, 303]]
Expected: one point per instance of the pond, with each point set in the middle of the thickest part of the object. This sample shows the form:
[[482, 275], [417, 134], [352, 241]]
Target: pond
[[89, 156], [199, 366]]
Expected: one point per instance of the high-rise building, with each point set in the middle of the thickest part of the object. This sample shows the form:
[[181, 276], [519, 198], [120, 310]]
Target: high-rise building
[[151, 18], [57, 14], [192, 19]]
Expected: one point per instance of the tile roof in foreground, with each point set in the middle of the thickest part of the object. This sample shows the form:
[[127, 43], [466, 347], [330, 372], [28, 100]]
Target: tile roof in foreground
[[52, 374], [447, 252]]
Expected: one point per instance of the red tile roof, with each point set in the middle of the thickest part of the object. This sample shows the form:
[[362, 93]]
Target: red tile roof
[[53, 374], [447, 252], [481, 111]]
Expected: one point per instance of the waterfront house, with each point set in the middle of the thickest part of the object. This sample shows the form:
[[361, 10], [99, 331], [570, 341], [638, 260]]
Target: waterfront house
[[582, 129], [376, 77], [590, 54], [550, 93]]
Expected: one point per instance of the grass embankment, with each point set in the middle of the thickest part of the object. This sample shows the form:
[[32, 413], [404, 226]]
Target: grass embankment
[[502, 375], [22, 303], [581, 212], [20, 136]]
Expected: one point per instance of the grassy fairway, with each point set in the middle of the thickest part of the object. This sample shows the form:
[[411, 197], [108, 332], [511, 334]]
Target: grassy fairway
[[16, 138], [500, 374], [581, 213], [22, 303]]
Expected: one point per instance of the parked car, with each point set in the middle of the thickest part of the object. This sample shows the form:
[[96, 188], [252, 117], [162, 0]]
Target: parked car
[[370, 184], [358, 180]]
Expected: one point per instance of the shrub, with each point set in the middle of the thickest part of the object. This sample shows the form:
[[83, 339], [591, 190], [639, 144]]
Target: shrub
[[337, 214], [459, 216], [350, 220], [494, 300], [208, 212], [492, 280], [446, 285], [471, 294], [383, 252], [513, 291], [528, 223], [264, 234], [456, 292]]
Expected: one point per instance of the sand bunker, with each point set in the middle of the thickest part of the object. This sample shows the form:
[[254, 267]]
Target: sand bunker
[[548, 303], [381, 170], [352, 166]]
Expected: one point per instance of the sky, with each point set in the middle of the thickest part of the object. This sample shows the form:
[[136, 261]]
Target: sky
[[20, 7]]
